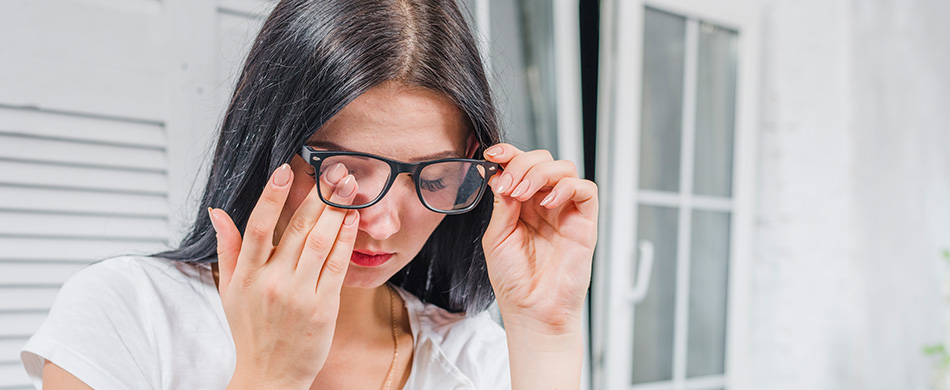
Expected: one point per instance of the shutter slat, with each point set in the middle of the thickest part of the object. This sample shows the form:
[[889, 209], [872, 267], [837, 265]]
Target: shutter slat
[[68, 201], [21, 324], [37, 273], [250, 8], [73, 126], [80, 153], [12, 374], [10, 347], [12, 172], [51, 225], [72, 250], [27, 298]]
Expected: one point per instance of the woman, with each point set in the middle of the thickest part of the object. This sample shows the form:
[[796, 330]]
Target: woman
[[351, 122]]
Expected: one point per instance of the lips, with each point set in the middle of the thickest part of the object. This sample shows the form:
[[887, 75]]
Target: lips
[[370, 258]]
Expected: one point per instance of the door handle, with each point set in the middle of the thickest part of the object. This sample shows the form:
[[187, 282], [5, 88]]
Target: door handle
[[644, 269]]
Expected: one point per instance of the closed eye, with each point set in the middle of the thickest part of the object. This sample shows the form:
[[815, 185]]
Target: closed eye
[[431, 185]]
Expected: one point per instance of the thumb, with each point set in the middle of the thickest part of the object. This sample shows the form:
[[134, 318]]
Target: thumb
[[229, 246], [504, 220]]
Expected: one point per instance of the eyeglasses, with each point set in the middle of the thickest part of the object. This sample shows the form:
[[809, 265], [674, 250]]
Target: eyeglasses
[[447, 186]]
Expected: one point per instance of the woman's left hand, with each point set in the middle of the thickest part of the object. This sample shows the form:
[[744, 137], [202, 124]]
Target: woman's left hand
[[540, 242]]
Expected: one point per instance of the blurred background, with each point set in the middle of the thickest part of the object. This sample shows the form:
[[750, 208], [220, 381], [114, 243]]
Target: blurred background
[[774, 174]]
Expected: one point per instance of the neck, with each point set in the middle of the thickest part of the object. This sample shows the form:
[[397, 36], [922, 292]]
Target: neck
[[365, 311]]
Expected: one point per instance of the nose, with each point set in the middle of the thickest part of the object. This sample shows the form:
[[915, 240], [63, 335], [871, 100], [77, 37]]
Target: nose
[[381, 220]]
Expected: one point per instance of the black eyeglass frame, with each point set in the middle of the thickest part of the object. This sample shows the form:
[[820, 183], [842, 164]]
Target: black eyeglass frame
[[315, 159]]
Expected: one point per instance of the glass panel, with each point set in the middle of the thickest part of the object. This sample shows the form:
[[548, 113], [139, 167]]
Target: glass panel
[[653, 318], [715, 111], [664, 43], [522, 70], [708, 287]]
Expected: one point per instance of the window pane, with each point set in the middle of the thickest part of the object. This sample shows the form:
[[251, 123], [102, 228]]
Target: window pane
[[708, 287], [663, 55], [653, 318], [715, 111]]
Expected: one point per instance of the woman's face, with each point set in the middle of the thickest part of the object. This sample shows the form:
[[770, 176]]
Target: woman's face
[[400, 123]]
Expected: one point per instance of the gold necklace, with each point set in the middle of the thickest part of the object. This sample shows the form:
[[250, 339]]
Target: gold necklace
[[392, 366]]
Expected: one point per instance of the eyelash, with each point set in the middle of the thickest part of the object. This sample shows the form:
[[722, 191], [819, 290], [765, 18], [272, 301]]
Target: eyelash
[[431, 185]]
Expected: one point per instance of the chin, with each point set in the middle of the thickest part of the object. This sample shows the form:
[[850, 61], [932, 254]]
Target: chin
[[365, 279]]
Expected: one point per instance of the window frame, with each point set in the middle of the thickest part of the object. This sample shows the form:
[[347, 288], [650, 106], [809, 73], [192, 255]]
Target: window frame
[[621, 65]]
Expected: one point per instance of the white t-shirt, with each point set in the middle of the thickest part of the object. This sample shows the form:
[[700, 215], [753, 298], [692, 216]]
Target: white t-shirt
[[150, 323]]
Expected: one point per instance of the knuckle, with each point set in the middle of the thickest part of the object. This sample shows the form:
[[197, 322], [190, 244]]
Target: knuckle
[[272, 293], [593, 188], [272, 196], [569, 166], [335, 266], [245, 281], [318, 243], [257, 231], [298, 305], [300, 225], [540, 154]]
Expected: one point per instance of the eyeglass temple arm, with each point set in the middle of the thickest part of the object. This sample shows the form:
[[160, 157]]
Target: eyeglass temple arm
[[307, 155]]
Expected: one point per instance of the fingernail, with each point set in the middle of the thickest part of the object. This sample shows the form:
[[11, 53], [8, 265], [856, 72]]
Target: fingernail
[[550, 198], [337, 171], [347, 187], [282, 175], [521, 188], [493, 151], [350, 218], [214, 223], [504, 182]]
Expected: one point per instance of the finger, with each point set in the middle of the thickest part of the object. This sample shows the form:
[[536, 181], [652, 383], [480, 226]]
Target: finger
[[324, 233], [331, 177], [582, 193], [259, 234], [518, 166], [295, 233], [305, 217], [504, 219], [502, 153], [229, 245], [543, 175], [338, 261]]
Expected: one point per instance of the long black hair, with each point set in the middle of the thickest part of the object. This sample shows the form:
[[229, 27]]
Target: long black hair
[[312, 58]]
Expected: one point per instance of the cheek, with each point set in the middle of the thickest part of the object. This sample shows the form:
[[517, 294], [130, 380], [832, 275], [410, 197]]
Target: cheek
[[421, 223]]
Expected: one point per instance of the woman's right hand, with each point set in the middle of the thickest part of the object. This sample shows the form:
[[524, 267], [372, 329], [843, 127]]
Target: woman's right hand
[[282, 301]]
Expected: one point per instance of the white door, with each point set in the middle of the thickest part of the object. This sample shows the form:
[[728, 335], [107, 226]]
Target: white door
[[106, 110], [676, 130]]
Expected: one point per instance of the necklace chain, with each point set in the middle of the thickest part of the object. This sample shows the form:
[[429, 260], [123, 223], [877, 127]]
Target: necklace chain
[[392, 366]]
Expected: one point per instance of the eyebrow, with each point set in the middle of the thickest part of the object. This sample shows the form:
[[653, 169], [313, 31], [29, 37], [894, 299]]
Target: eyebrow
[[332, 146]]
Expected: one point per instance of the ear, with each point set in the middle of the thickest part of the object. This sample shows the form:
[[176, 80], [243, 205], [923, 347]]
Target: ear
[[471, 147]]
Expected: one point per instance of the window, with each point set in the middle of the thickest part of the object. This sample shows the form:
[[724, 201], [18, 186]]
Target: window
[[672, 87]]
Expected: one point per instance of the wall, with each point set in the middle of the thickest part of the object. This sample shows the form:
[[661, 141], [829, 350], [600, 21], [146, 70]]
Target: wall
[[854, 194]]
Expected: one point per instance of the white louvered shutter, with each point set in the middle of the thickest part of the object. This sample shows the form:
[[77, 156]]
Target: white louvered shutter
[[107, 108]]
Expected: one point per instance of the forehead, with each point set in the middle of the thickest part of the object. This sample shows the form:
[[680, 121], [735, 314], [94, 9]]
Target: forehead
[[404, 123]]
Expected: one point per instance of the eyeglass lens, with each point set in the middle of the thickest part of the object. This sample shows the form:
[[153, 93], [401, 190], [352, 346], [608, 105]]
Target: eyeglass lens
[[443, 186]]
